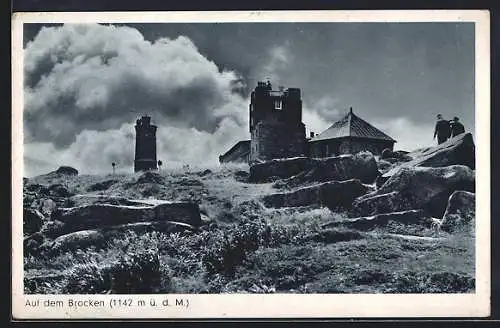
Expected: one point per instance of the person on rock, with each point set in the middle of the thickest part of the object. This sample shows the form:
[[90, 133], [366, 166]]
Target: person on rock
[[456, 127], [442, 130]]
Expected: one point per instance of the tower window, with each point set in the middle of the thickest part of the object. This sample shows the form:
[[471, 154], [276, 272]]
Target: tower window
[[277, 104]]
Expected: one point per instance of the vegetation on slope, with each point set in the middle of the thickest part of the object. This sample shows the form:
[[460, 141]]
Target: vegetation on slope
[[245, 247]]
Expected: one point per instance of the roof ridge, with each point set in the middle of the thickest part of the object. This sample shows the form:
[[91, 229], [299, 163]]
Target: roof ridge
[[351, 125], [374, 127], [350, 121]]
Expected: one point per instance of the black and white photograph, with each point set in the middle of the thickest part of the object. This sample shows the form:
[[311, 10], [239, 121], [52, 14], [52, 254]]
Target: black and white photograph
[[266, 157]]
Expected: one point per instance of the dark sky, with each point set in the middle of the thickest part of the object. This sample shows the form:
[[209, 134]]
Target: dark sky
[[396, 75]]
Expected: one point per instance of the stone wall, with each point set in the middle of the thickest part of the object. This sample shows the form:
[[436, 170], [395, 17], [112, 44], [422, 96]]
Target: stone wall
[[272, 140], [374, 146], [334, 147]]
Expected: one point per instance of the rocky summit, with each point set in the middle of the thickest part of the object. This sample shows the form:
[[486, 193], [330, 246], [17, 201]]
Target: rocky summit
[[404, 223], [417, 188], [299, 170], [459, 150]]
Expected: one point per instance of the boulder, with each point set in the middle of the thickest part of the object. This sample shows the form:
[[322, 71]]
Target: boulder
[[98, 237], [32, 221], [460, 214], [386, 153], [459, 150], [67, 170], [76, 240], [416, 188], [87, 199], [281, 168], [380, 220], [396, 156], [297, 171], [360, 166], [101, 215], [333, 194], [384, 165]]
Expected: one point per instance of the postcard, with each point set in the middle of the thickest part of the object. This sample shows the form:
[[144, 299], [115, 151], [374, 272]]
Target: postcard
[[237, 164]]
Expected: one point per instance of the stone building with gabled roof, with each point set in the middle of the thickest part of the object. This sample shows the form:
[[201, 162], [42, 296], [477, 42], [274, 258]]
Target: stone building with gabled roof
[[349, 135]]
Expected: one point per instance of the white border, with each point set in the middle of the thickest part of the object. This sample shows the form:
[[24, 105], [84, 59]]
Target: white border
[[271, 305]]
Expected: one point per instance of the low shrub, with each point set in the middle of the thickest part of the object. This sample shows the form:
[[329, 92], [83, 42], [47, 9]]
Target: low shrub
[[134, 273]]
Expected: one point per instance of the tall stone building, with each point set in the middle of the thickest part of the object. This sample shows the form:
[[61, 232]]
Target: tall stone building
[[145, 145], [276, 126]]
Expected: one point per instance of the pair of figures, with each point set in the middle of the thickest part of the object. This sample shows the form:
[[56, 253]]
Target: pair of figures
[[446, 129]]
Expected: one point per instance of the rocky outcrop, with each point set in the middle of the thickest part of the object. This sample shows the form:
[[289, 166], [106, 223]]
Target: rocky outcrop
[[416, 188], [76, 240], [67, 170], [384, 165], [101, 215], [380, 220], [360, 166], [395, 156], [280, 168], [98, 237], [460, 214], [332, 194], [88, 199], [459, 150]]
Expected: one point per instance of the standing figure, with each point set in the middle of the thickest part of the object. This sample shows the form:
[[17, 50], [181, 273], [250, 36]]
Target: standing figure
[[442, 129], [456, 127]]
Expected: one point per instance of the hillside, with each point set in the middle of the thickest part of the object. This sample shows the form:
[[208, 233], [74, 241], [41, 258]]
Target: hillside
[[353, 224]]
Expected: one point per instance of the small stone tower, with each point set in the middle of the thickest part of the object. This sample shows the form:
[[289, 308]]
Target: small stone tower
[[276, 124], [145, 145]]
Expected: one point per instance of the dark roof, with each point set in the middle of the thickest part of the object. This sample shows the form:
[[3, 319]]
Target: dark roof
[[243, 143], [352, 126]]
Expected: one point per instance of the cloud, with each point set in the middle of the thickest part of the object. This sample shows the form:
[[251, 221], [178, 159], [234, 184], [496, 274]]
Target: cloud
[[276, 61], [85, 85], [91, 76], [92, 152], [314, 122]]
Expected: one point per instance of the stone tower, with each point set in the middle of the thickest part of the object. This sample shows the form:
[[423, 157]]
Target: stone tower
[[145, 145], [276, 126]]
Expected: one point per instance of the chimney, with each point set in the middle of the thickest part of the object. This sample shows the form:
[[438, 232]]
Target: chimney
[[311, 134], [350, 110]]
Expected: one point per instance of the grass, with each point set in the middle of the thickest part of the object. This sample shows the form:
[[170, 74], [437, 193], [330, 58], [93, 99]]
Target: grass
[[246, 247]]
